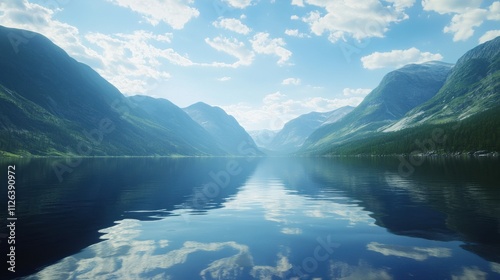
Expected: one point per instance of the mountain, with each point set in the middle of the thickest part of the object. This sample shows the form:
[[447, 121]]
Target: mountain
[[463, 116], [177, 122], [296, 131], [50, 104], [398, 92], [228, 133], [473, 86], [263, 137]]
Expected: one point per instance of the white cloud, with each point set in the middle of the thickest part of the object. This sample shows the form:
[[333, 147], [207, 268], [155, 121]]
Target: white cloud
[[494, 11], [232, 24], [131, 62], [358, 19], [299, 3], [291, 81], [234, 48], [25, 15], [175, 13], [462, 25], [123, 59], [450, 6], [240, 4], [273, 97], [294, 17], [224, 79], [262, 44], [126, 59], [295, 33], [277, 108], [401, 5], [398, 58], [490, 35], [467, 15], [356, 91]]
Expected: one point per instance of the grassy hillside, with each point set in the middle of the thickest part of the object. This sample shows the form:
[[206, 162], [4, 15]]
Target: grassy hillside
[[52, 105], [479, 132], [398, 92]]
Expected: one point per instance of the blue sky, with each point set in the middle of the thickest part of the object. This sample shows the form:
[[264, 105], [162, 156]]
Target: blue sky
[[263, 61]]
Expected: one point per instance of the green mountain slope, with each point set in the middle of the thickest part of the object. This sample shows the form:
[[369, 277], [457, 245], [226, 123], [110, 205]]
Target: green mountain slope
[[463, 116], [53, 105], [228, 133], [472, 87], [480, 132], [295, 132], [399, 92], [179, 124]]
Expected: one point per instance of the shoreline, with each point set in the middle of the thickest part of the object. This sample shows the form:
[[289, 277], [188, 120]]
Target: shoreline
[[470, 154]]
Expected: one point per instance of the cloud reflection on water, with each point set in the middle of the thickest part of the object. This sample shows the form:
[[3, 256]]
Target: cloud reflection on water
[[285, 206], [416, 253], [344, 271], [470, 273], [122, 256], [495, 267]]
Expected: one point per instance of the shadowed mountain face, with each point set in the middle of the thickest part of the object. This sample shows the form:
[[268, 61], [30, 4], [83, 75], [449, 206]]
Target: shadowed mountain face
[[50, 104], [222, 127], [464, 112], [177, 122], [473, 86], [399, 92]]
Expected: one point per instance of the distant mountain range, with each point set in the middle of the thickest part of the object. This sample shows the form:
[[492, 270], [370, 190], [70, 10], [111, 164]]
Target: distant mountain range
[[398, 92], [225, 129], [295, 132], [452, 109], [52, 105], [473, 86]]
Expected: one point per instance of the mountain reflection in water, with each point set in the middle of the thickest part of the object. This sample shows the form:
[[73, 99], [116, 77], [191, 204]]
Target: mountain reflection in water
[[277, 218]]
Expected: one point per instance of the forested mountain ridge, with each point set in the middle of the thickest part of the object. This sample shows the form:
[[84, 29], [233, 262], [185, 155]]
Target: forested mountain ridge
[[465, 111], [53, 105], [224, 128], [294, 133], [473, 86], [399, 91]]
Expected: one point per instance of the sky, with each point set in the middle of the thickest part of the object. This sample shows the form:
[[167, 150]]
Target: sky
[[264, 62]]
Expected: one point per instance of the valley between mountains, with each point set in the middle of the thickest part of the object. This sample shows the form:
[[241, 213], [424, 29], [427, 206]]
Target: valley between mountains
[[53, 105]]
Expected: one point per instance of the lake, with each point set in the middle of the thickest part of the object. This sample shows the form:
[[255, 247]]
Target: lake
[[254, 218]]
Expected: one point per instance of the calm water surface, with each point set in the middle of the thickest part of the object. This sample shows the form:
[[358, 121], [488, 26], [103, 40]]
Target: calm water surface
[[237, 218]]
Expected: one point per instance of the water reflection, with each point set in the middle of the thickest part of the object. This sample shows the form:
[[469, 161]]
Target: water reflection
[[415, 253], [59, 218], [342, 270], [122, 256], [273, 219], [444, 200]]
